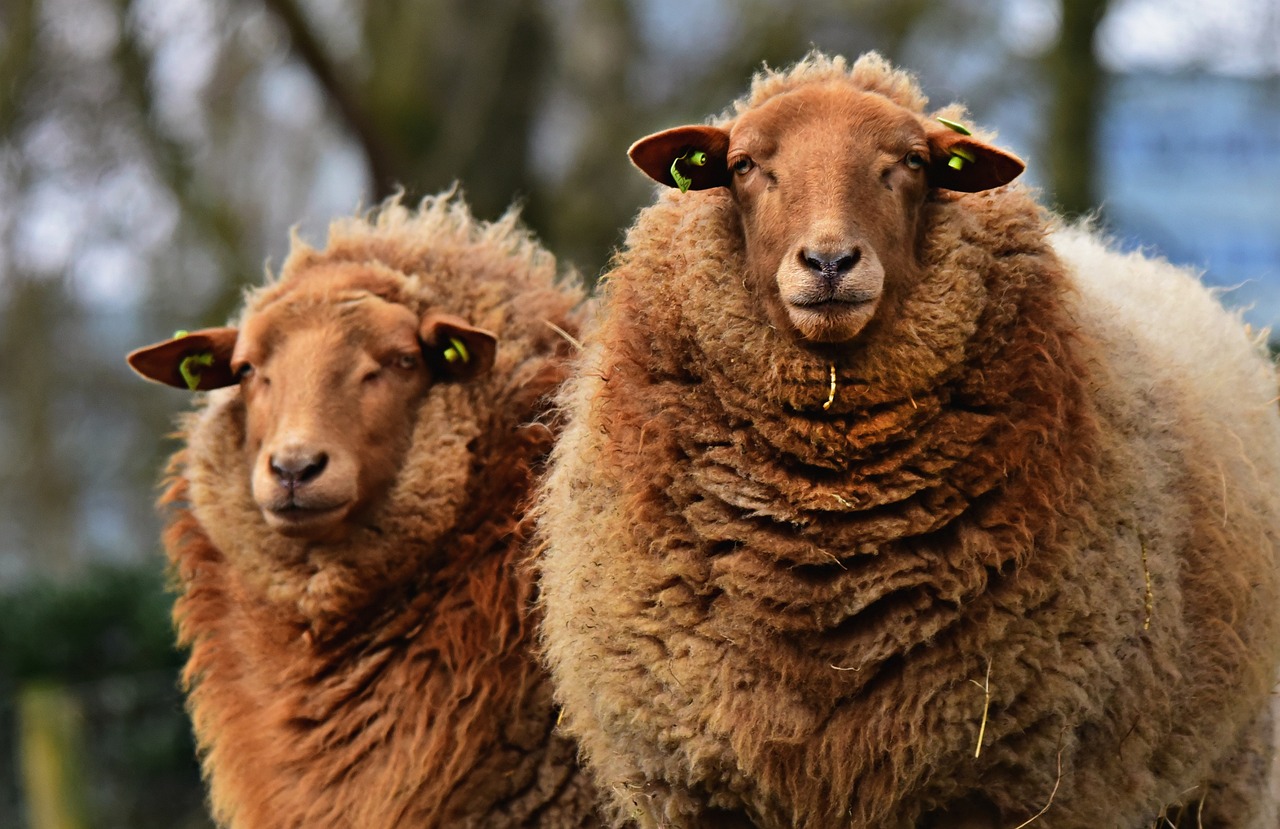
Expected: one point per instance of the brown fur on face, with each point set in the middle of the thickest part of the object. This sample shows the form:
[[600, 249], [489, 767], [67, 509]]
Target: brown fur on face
[[331, 369], [829, 180], [830, 205], [370, 665], [331, 386], [328, 411]]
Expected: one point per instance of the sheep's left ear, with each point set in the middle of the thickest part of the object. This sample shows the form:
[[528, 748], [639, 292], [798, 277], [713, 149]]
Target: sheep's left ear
[[691, 158], [962, 162], [455, 349], [198, 361]]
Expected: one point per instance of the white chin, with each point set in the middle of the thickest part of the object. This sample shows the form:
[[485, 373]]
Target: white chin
[[831, 323]]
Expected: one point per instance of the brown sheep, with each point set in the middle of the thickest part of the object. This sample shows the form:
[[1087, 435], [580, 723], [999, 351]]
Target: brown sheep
[[883, 502], [346, 529]]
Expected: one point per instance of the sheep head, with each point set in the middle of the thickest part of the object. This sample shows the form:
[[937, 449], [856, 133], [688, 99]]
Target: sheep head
[[330, 378], [829, 181]]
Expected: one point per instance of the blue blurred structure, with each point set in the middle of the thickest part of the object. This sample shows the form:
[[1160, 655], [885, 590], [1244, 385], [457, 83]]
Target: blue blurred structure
[[1189, 168]]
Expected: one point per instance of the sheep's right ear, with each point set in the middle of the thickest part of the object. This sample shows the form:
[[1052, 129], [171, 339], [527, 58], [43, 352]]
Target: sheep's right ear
[[198, 361], [965, 164], [456, 349], [691, 158]]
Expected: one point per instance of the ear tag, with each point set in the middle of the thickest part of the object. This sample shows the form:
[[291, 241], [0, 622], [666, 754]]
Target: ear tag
[[697, 158], [456, 352], [955, 125], [190, 367], [180, 333], [959, 157]]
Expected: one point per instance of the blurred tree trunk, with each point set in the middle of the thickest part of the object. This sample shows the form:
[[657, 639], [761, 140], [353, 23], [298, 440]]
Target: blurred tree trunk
[[51, 745], [17, 51], [1076, 89]]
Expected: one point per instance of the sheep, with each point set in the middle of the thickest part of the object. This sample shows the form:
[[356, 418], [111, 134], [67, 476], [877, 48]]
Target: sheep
[[346, 529], [887, 499]]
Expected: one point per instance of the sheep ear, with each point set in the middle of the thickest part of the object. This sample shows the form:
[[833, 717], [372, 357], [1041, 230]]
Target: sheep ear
[[198, 361], [691, 158], [962, 162], [455, 349]]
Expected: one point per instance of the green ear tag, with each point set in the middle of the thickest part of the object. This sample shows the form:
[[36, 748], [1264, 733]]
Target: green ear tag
[[180, 333], [190, 366], [959, 157], [697, 158], [955, 125], [456, 352]]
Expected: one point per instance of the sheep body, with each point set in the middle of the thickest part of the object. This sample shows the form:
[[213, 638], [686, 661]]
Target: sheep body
[[385, 679], [1040, 503]]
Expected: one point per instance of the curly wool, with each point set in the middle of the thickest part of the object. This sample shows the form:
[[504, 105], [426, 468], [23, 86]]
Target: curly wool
[[387, 680], [1045, 463]]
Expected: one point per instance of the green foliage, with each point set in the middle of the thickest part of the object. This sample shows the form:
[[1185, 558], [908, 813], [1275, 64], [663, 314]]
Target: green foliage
[[106, 640], [107, 622]]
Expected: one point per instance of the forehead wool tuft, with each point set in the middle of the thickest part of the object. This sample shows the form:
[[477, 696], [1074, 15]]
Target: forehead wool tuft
[[870, 72]]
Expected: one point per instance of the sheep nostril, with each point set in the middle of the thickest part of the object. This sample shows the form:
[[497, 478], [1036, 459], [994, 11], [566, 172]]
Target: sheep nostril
[[293, 470], [849, 261], [831, 265]]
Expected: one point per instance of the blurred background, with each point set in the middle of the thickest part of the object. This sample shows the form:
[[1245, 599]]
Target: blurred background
[[154, 155]]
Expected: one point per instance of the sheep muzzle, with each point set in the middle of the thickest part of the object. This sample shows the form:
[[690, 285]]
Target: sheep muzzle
[[303, 490], [830, 291]]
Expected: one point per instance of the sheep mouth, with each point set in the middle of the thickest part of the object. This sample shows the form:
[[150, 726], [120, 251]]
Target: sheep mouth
[[833, 304], [292, 518], [833, 308], [831, 320]]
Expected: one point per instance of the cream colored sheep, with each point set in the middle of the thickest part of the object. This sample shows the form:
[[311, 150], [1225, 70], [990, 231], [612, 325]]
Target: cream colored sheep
[[883, 504], [346, 529]]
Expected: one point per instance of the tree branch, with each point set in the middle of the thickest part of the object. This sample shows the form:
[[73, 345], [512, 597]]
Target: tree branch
[[382, 162]]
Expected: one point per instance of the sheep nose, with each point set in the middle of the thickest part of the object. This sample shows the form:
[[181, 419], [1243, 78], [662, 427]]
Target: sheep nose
[[295, 468], [830, 265]]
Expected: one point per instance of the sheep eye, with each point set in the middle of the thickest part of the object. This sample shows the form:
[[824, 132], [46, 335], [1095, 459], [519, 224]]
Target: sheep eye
[[408, 362], [743, 165], [914, 161], [243, 371]]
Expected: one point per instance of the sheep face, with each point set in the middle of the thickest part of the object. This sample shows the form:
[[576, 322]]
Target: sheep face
[[330, 381], [828, 181], [828, 205], [329, 408]]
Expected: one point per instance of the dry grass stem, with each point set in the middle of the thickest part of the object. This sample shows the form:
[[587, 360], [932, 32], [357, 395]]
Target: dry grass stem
[[834, 558], [831, 396], [573, 341], [1052, 795], [985, 685], [1150, 601]]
